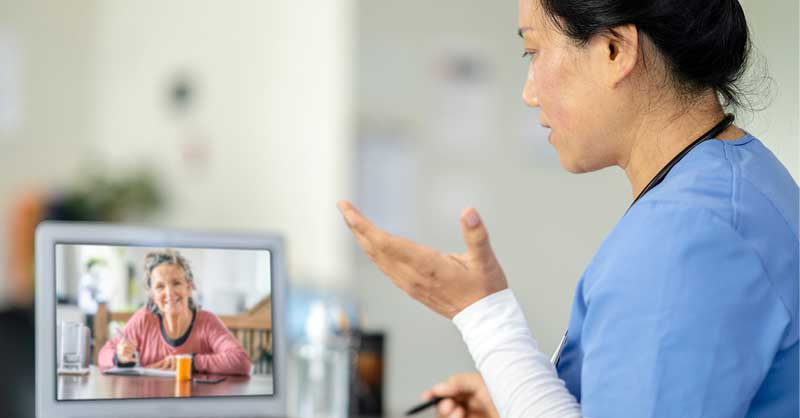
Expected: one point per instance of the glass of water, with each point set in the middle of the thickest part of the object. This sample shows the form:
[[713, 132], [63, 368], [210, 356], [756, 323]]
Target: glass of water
[[73, 345]]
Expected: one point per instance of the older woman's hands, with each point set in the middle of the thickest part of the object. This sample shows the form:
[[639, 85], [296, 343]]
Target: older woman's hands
[[126, 350], [167, 363], [445, 283]]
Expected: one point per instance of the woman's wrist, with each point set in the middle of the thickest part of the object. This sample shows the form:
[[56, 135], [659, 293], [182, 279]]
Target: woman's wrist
[[118, 363], [469, 314]]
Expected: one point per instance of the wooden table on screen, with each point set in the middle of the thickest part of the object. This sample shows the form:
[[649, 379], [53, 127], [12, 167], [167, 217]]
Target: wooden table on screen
[[97, 385]]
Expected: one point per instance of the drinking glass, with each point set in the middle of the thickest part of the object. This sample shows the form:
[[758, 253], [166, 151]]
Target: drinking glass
[[73, 345]]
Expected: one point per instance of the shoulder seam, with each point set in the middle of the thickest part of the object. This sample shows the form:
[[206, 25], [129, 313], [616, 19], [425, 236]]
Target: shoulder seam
[[772, 204]]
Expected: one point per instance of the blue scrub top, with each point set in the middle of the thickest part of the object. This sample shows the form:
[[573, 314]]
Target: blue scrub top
[[689, 308]]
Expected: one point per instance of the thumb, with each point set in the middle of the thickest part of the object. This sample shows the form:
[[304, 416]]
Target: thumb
[[476, 237]]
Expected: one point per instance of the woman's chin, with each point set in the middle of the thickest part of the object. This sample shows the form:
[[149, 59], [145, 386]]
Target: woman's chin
[[579, 165], [570, 165], [176, 310]]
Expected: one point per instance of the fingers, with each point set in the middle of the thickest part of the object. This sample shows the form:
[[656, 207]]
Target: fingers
[[371, 238], [125, 342], [450, 409], [379, 245], [445, 390], [457, 386], [446, 407], [165, 364], [476, 237], [126, 349]]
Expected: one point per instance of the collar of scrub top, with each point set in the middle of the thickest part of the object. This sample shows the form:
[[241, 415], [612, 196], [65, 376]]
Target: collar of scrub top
[[713, 132]]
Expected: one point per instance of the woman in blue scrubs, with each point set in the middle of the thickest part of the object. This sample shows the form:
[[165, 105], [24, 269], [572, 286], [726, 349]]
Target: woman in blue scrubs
[[690, 306]]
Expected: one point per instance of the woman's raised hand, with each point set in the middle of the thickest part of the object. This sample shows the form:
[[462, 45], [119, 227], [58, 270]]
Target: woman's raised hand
[[466, 396], [445, 283]]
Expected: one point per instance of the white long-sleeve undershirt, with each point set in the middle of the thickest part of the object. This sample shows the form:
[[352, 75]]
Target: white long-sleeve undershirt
[[520, 378]]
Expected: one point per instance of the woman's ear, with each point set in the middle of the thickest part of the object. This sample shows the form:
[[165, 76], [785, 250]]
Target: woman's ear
[[616, 53]]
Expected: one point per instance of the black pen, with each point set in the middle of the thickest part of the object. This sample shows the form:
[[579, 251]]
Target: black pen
[[424, 406], [554, 359]]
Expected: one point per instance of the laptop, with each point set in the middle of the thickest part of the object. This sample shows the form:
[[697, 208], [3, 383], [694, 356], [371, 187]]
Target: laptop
[[110, 299]]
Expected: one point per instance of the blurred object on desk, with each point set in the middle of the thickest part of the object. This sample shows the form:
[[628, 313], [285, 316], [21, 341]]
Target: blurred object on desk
[[17, 351], [366, 385], [320, 364], [323, 326]]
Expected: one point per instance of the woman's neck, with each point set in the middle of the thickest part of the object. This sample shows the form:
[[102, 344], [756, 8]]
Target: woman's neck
[[176, 325], [656, 138]]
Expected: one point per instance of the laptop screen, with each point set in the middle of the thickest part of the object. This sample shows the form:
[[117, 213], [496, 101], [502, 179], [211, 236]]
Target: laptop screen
[[138, 322]]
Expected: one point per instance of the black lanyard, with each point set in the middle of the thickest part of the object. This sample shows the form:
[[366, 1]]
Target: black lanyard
[[713, 132]]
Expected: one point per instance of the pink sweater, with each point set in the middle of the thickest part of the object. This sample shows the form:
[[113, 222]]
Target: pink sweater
[[215, 350]]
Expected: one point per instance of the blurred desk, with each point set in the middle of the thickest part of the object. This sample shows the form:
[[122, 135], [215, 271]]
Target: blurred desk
[[97, 385]]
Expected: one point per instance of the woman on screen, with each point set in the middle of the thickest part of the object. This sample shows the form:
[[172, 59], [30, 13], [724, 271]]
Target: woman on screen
[[170, 324]]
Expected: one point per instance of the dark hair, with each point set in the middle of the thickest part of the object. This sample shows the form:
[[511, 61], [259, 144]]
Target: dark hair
[[172, 257], [705, 43]]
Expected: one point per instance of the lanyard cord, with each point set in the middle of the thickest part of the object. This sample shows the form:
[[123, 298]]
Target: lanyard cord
[[716, 130]]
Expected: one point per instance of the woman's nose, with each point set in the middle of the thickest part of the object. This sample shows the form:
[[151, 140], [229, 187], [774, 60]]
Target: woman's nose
[[529, 94], [529, 91]]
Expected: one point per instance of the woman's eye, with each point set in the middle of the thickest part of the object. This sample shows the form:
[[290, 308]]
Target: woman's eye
[[530, 54]]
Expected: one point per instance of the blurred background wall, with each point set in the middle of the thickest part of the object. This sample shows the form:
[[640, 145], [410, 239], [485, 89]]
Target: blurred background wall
[[242, 110], [258, 115]]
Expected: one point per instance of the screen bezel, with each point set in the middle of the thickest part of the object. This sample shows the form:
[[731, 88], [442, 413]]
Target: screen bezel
[[49, 234]]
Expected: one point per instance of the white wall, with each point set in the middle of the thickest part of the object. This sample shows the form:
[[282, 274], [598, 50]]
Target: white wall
[[273, 114], [775, 31], [545, 224], [265, 148]]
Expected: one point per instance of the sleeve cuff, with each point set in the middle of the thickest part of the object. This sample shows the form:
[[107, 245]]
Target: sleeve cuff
[[472, 314], [492, 322], [118, 364]]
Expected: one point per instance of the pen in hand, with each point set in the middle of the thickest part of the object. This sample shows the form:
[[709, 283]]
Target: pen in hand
[[423, 406], [436, 399], [124, 340]]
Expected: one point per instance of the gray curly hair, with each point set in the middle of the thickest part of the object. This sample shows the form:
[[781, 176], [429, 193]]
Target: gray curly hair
[[171, 257]]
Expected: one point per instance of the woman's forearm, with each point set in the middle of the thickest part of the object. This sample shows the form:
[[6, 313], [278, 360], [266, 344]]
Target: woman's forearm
[[227, 356], [230, 362], [520, 378]]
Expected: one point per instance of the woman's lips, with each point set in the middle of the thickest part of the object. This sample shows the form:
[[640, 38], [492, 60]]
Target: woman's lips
[[169, 304], [550, 134]]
